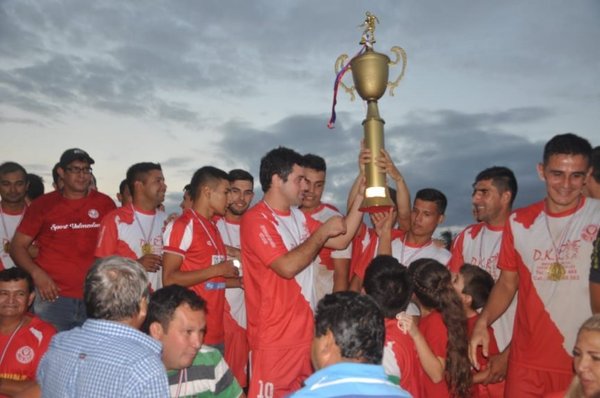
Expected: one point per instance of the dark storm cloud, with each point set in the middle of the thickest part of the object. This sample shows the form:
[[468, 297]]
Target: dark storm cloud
[[442, 149]]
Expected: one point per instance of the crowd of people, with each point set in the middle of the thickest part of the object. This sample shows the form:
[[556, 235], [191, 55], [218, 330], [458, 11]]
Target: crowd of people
[[287, 296]]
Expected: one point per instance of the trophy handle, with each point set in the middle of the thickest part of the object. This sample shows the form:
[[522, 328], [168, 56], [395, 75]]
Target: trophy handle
[[400, 54], [339, 64]]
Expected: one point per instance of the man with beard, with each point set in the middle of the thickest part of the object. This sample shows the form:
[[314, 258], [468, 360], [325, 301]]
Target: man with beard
[[13, 190], [194, 253], [135, 230], [234, 318], [65, 226], [494, 192]]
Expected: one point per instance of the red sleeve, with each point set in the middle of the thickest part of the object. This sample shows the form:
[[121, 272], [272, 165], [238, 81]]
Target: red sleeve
[[107, 237], [312, 224], [507, 259], [436, 335], [363, 261], [32, 221], [261, 234], [178, 236], [457, 260]]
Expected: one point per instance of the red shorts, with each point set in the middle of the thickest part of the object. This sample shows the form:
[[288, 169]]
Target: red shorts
[[236, 349], [525, 382], [278, 373]]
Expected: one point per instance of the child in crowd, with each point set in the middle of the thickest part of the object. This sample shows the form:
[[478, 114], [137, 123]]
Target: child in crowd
[[441, 336], [387, 282], [474, 284]]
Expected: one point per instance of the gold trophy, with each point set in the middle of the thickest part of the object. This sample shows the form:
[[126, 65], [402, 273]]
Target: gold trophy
[[370, 72]]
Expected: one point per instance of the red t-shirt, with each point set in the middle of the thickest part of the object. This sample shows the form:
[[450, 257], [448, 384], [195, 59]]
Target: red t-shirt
[[495, 390], [198, 241], [434, 331], [66, 231], [400, 359], [279, 309], [24, 352]]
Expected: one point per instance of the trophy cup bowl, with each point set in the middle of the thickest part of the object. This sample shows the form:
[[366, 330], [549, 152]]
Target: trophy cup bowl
[[370, 72]]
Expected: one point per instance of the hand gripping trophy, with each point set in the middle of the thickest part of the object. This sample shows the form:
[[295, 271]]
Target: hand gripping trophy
[[370, 72]]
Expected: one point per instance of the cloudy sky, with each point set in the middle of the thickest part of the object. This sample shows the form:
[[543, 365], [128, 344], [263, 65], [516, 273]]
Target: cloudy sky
[[192, 83]]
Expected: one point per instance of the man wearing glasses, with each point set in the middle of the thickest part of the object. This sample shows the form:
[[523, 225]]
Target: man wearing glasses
[[65, 225]]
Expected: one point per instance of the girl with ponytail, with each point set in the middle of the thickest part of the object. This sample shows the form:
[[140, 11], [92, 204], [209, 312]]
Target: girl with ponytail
[[441, 336]]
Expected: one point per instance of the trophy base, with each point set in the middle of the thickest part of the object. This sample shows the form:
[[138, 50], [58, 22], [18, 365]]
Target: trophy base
[[378, 204]]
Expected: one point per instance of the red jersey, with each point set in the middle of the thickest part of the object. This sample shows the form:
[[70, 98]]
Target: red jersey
[[434, 331], [24, 352], [479, 244], [402, 250], [549, 311], [197, 240], [66, 231], [400, 359], [8, 226], [125, 231], [279, 309]]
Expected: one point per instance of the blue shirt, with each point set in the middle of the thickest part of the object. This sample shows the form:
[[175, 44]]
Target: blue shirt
[[350, 379], [102, 359]]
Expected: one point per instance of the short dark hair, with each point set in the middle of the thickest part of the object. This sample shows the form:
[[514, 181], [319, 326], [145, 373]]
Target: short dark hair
[[314, 162], [122, 187], [502, 178], [240, 175], [207, 175], [387, 281], [11, 167], [17, 274], [478, 284], [279, 161], [139, 172], [166, 300], [595, 162], [36, 186], [114, 287], [55, 176], [356, 323], [433, 195], [567, 144], [187, 188]]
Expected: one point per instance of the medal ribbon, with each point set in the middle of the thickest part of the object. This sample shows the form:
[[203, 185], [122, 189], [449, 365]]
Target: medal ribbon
[[146, 237]]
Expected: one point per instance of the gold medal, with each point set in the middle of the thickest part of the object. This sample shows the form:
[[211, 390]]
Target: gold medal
[[146, 248], [556, 271], [6, 246]]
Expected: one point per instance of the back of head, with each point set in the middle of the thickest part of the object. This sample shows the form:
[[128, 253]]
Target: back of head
[[122, 186], [387, 282], [17, 274], [567, 144], [139, 172], [279, 161], [502, 178], [114, 288], [240, 175], [433, 288], [206, 176], [36, 186], [433, 195], [165, 301], [478, 284], [356, 323], [314, 162]]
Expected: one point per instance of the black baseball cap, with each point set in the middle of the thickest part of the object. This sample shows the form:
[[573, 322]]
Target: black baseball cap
[[73, 154]]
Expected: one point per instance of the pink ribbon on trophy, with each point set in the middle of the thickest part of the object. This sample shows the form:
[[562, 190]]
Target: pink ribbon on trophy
[[336, 85]]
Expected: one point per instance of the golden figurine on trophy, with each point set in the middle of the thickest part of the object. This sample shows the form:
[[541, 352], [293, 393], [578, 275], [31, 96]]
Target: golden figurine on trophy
[[370, 72]]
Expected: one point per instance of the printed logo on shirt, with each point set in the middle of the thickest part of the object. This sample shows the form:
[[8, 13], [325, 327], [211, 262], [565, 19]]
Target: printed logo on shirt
[[59, 227], [25, 354], [589, 233], [93, 213]]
